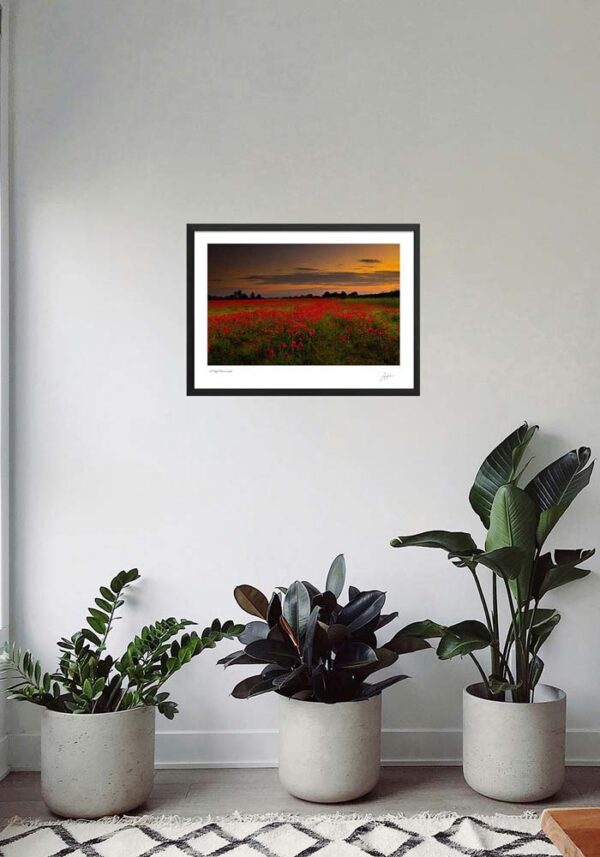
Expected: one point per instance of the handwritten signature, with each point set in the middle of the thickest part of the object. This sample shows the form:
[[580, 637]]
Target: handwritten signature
[[387, 376]]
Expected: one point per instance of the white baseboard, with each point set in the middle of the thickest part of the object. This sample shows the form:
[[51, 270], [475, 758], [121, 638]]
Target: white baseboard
[[258, 749]]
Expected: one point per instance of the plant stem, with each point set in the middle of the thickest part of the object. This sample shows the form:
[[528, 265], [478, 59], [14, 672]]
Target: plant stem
[[483, 601], [521, 667], [481, 672], [496, 633]]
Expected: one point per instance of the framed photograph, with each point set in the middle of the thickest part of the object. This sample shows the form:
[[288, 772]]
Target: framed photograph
[[302, 310]]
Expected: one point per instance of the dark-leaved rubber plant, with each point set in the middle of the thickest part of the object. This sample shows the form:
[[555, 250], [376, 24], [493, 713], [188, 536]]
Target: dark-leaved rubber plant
[[90, 681], [312, 647], [518, 521]]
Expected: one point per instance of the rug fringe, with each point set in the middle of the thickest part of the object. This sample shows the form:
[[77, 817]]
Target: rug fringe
[[167, 821]]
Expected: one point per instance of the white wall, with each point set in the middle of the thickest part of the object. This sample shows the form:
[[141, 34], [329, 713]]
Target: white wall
[[132, 117]]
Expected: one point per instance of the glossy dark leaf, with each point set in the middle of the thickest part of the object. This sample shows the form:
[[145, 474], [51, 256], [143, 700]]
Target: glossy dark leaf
[[354, 655], [297, 607], [239, 657], [254, 631], [385, 658], [274, 610], [369, 690], [252, 686], [292, 682], [336, 576], [272, 651], [499, 468], [251, 600], [337, 635], [311, 589], [326, 601], [309, 637], [362, 610], [385, 620]]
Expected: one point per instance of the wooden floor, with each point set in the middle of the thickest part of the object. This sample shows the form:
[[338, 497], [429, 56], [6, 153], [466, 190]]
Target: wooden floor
[[257, 790]]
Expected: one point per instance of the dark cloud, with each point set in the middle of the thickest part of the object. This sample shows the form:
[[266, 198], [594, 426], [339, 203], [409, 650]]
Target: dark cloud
[[328, 279], [370, 261], [302, 268]]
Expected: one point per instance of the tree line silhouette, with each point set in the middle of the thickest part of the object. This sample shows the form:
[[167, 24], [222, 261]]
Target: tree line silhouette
[[239, 295]]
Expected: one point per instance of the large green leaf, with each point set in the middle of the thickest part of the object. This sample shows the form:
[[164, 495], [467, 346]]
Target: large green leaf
[[562, 569], [452, 542], [542, 630], [499, 467], [462, 639], [506, 562], [556, 486], [561, 481], [536, 617], [547, 521], [513, 520], [536, 668], [403, 644], [296, 607], [427, 629], [336, 576]]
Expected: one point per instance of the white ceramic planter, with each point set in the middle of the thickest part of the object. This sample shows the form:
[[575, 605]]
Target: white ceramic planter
[[329, 753], [97, 764], [514, 751]]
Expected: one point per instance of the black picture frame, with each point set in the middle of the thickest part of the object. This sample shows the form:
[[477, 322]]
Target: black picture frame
[[193, 228]]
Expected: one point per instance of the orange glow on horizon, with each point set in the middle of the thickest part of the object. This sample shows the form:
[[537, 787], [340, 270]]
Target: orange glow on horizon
[[282, 270]]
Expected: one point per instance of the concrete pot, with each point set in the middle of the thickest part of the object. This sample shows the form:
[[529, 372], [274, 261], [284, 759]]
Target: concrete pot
[[97, 764], [329, 753], [514, 751]]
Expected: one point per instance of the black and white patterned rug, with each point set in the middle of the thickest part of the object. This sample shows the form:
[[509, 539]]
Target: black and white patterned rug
[[425, 835]]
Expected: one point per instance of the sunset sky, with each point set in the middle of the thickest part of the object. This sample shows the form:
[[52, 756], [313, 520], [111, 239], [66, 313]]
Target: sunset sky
[[282, 270]]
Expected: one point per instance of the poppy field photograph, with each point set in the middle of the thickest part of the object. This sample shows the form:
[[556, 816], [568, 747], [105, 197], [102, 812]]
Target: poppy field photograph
[[290, 308], [303, 304]]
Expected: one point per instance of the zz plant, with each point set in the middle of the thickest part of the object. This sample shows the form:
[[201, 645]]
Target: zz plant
[[518, 520], [89, 681], [312, 647]]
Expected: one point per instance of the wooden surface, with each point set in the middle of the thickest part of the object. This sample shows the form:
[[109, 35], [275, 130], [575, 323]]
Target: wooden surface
[[575, 832], [195, 792]]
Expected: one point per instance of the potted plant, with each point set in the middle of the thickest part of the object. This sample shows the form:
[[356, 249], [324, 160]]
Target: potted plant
[[99, 712], [513, 726], [317, 655]]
